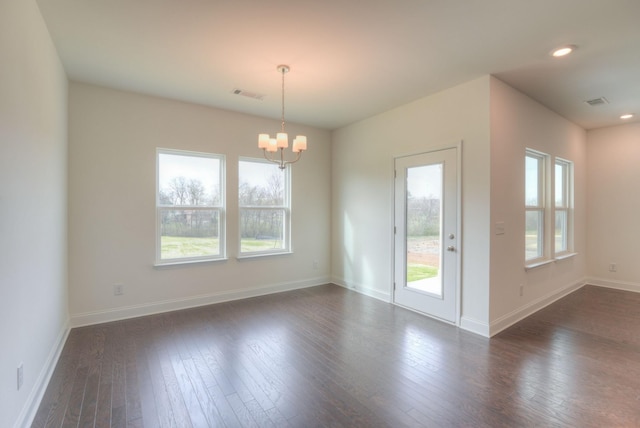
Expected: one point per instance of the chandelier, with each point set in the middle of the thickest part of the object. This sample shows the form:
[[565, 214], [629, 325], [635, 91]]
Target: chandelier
[[273, 145]]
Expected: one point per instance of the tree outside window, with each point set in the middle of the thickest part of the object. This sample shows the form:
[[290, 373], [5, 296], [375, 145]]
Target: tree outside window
[[264, 205], [190, 206]]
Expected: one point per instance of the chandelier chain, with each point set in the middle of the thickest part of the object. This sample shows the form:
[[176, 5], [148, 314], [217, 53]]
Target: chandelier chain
[[284, 70]]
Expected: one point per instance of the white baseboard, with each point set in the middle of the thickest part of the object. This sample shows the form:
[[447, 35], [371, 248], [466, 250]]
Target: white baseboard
[[479, 327], [116, 314], [28, 413], [618, 285], [513, 317], [475, 326], [360, 288]]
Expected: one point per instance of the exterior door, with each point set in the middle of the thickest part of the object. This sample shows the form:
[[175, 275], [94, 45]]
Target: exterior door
[[426, 233]]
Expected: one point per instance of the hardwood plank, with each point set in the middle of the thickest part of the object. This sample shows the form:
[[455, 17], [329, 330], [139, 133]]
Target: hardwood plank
[[241, 411], [160, 395], [94, 362], [103, 405], [175, 398], [326, 356], [57, 394], [214, 405], [148, 407], [185, 384], [72, 413], [133, 406], [119, 378]]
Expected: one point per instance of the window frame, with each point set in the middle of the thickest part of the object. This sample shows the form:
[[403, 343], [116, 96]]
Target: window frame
[[220, 208], [567, 205], [285, 208], [541, 208]]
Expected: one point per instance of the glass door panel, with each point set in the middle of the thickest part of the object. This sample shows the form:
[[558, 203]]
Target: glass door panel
[[424, 228]]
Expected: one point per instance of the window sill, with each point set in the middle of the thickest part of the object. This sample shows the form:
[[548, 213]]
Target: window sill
[[256, 255], [538, 264], [558, 258], [161, 265], [565, 256]]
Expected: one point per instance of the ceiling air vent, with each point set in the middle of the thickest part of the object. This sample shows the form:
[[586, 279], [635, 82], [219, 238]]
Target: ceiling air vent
[[248, 94], [597, 101]]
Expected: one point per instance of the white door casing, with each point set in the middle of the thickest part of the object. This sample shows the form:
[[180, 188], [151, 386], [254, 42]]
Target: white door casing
[[427, 253]]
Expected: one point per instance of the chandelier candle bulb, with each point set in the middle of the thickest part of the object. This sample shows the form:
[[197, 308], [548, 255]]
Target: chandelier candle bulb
[[283, 140], [263, 141], [273, 145], [299, 144]]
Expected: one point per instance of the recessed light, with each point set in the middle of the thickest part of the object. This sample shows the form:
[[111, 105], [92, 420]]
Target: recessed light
[[563, 50], [626, 116]]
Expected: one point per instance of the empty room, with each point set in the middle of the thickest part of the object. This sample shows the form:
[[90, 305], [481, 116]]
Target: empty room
[[314, 214]]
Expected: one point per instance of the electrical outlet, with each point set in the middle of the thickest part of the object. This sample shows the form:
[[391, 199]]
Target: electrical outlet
[[118, 289], [20, 375], [613, 267], [521, 290], [315, 264]]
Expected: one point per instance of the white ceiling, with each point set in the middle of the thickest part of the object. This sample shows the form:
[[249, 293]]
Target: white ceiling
[[351, 59]]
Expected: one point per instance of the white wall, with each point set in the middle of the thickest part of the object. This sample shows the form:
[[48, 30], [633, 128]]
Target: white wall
[[518, 123], [113, 137], [33, 207], [614, 206], [362, 190], [496, 124]]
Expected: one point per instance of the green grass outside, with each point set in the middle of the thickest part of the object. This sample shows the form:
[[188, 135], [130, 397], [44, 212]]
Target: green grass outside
[[253, 245], [416, 272], [176, 247]]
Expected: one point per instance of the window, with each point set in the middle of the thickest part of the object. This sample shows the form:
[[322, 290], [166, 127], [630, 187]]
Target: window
[[264, 203], [190, 207], [534, 206], [563, 177], [548, 226]]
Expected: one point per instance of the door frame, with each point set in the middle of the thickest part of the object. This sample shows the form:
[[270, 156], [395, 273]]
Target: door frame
[[458, 254]]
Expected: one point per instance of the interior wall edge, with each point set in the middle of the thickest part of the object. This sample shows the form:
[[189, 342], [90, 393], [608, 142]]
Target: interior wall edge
[[474, 326], [362, 289], [521, 313], [28, 412], [134, 311], [617, 285]]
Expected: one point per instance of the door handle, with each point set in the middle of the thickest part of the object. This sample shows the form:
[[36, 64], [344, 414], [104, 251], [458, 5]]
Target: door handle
[[451, 248]]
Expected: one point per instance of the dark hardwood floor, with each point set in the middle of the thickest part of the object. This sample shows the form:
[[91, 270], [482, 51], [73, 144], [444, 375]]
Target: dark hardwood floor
[[325, 356]]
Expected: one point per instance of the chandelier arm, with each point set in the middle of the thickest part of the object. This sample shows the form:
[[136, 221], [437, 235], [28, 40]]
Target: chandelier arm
[[285, 163], [298, 156], [264, 152], [282, 163]]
